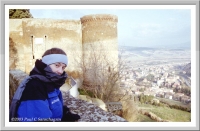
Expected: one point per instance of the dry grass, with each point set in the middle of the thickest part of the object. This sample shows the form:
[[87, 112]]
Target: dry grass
[[74, 74], [167, 113], [130, 111]]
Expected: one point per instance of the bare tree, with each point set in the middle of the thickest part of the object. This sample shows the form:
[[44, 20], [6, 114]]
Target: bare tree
[[102, 75]]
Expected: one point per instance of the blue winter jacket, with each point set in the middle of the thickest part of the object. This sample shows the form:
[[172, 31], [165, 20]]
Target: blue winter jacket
[[40, 102], [41, 99]]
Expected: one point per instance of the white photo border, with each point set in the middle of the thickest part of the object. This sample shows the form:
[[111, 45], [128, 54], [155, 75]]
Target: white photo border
[[94, 125]]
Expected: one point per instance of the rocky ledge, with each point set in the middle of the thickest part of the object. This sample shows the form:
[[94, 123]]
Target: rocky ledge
[[88, 111]]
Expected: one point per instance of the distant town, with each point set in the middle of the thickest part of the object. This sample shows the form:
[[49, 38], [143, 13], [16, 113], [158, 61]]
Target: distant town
[[168, 75]]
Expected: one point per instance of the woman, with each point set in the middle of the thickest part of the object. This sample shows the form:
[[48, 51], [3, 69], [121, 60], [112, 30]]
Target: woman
[[42, 99]]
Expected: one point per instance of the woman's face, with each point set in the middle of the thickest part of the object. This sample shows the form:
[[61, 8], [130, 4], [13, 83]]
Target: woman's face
[[58, 68]]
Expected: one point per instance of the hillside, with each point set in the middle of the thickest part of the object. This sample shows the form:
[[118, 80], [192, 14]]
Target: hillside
[[187, 69], [138, 56]]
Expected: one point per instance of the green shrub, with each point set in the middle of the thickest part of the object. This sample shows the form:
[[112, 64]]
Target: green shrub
[[85, 92]]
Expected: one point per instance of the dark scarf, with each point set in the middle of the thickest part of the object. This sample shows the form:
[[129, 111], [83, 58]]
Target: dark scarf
[[45, 74]]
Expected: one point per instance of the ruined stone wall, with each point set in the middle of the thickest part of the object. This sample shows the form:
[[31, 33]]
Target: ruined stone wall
[[16, 52], [99, 38], [42, 34], [15, 77], [87, 111]]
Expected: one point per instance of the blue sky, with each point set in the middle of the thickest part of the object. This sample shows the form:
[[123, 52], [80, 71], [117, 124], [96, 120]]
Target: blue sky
[[137, 27]]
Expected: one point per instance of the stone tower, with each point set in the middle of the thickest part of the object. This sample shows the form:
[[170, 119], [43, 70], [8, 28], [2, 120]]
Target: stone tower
[[100, 44]]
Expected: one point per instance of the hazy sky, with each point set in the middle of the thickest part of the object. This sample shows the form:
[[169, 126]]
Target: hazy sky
[[137, 27]]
